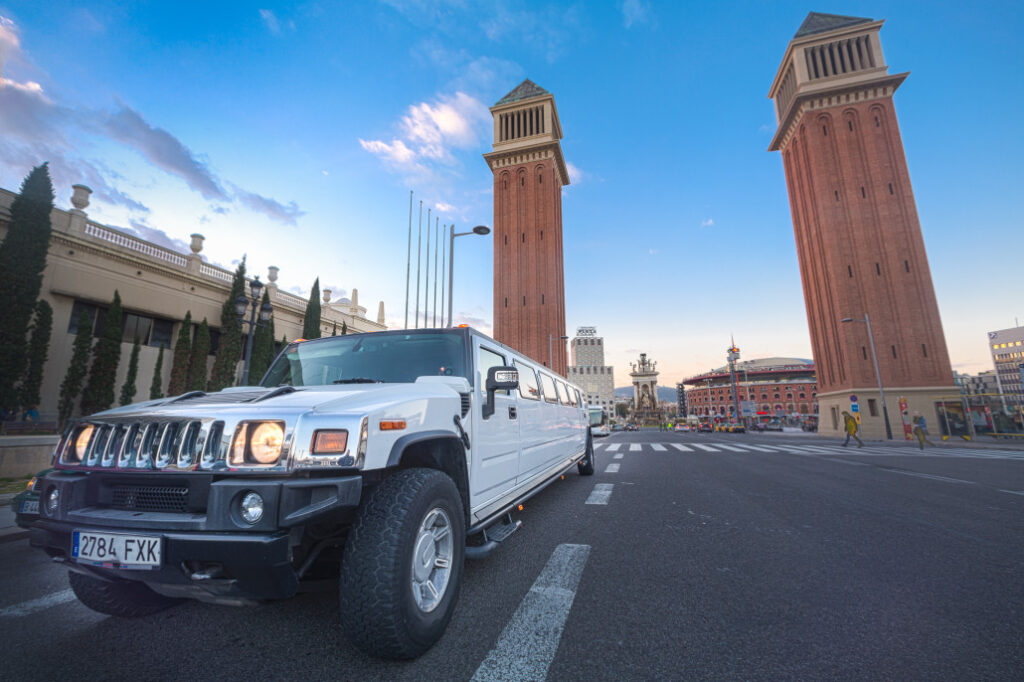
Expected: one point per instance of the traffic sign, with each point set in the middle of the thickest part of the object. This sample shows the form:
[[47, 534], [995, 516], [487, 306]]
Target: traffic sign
[[855, 407], [853, 398]]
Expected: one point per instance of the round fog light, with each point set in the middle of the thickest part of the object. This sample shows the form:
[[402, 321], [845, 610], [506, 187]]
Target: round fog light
[[251, 507], [52, 500]]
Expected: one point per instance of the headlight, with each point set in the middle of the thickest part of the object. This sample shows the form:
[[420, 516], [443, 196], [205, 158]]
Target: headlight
[[31, 485], [266, 442], [82, 441]]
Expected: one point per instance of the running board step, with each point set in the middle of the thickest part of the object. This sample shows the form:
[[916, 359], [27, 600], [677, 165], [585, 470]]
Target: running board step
[[493, 536]]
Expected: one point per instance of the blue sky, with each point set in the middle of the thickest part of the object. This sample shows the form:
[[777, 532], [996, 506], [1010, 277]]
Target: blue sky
[[293, 132]]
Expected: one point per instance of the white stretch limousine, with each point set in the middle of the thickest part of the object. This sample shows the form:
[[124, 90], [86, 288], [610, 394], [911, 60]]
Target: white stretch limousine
[[372, 457]]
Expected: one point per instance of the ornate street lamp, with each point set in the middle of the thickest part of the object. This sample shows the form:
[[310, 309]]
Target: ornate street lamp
[[241, 305]]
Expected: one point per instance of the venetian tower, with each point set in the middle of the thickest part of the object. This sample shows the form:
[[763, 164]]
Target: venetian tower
[[529, 173], [858, 238]]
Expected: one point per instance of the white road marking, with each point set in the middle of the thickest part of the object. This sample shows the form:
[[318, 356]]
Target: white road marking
[[613, 468], [1012, 492], [529, 642], [684, 448], [600, 493], [598, 446], [614, 446], [618, 456], [930, 476], [27, 607], [728, 447], [755, 447], [849, 461], [634, 447], [705, 447], [659, 447]]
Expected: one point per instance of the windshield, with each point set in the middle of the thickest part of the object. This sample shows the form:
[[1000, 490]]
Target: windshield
[[368, 358]]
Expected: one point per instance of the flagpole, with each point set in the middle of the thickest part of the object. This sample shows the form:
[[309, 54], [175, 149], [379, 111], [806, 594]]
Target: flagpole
[[408, 263], [419, 249], [426, 277], [442, 277], [433, 316]]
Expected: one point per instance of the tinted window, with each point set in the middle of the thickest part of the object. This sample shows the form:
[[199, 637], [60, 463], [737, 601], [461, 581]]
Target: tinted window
[[527, 382], [161, 334], [563, 396], [358, 358], [549, 388], [485, 360]]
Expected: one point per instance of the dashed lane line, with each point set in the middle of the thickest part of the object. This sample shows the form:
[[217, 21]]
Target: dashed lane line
[[529, 642], [27, 607], [933, 477], [613, 468], [659, 447], [617, 456], [684, 448], [1012, 492], [600, 493], [635, 447]]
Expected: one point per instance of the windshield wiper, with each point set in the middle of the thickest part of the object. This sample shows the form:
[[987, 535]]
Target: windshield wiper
[[358, 380]]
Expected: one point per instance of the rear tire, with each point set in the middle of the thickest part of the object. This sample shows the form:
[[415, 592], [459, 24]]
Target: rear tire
[[121, 598], [588, 463], [402, 567]]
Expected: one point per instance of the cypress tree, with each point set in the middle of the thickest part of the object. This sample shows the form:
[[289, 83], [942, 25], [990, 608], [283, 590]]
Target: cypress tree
[[262, 346], [197, 362], [128, 388], [229, 350], [72, 384], [155, 388], [98, 394], [344, 328], [181, 358], [37, 351], [311, 320], [334, 329], [22, 260]]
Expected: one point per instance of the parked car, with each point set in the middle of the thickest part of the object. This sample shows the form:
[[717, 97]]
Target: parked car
[[618, 427], [25, 504], [773, 426], [353, 449], [599, 431]]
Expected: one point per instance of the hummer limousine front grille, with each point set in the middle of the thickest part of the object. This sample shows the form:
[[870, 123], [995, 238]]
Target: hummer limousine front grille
[[150, 498], [165, 444]]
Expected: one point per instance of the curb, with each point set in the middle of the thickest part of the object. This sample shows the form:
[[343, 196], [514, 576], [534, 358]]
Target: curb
[[13, 537]]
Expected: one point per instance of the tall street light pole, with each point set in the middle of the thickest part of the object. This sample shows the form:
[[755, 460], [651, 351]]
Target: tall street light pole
[[551, 353], [878, 374], [481, 230], [408, 263], [241, 305]]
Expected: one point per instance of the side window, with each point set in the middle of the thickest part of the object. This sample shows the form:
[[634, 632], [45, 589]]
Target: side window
[[485, 360], [563, 396], [527, 383], [549, 388], [574, 396]]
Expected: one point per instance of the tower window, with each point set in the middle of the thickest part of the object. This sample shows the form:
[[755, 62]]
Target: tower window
[[522, 182], [836, 192], [849, 269], [506, 240], [878, 269], [924, 350], [864, 352], [863, 194], [877, 123], [906, 265], [850, 123], [524, 303], [506, 301], [824, 130], [540, 179], [523, 235], [893, 351], [542, 299], [890, 189], [542, 235]]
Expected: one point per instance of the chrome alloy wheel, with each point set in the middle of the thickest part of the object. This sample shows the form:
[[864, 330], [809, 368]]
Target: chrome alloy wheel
[[432, 560]]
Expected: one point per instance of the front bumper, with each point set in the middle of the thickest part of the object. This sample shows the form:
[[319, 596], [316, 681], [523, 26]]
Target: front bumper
[[209, 552]]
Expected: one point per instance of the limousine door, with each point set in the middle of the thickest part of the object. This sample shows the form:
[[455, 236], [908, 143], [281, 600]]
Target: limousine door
[[495, 451]]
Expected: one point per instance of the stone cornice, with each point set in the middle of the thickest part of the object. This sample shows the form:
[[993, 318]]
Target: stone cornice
[[841, 93], [497, 160], [814, 39]]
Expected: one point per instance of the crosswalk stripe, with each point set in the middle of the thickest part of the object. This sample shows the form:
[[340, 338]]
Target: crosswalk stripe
[[659, 447], [617, 456], [598, 446], [755, 447], [612, 468], [728, 447], [684, 448], [614, 446], [635, 447], [705, 447]]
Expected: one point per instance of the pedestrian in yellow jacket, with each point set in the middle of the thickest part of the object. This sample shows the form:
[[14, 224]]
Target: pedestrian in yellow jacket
[[851, 429]]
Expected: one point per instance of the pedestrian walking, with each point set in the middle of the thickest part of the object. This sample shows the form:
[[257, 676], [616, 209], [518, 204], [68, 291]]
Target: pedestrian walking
[[921, 431], [851, 429]]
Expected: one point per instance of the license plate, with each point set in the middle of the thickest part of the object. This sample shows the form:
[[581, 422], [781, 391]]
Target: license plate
[[30, 507], [116, 550]]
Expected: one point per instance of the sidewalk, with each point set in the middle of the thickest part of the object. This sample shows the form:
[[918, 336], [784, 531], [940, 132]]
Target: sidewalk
[[9, 531]]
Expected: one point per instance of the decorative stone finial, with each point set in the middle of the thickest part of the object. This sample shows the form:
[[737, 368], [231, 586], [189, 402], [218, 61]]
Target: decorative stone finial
[[80, 197], [197, 243], [355, 298], [272, 273], [380, 313], [327, 296]]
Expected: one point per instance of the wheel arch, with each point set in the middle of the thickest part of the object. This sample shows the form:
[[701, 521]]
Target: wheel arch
[[440, 450]]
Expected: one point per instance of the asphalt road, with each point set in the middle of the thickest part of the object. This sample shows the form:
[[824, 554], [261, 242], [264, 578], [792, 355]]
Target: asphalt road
[[784, 557]]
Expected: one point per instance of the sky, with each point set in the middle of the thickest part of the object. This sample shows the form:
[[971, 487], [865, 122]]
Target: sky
[[294, 132]]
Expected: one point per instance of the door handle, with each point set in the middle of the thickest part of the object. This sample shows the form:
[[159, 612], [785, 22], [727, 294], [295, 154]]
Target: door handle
[[512, 414]]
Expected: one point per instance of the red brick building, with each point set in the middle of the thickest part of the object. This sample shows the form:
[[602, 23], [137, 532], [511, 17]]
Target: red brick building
[[529, 172], [779, 387], [858, 238]]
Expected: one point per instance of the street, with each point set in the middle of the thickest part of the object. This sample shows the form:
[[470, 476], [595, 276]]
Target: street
[[686, 556]]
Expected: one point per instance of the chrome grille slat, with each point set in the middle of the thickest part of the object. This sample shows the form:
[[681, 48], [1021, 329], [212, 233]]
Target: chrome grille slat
[[182, 444]]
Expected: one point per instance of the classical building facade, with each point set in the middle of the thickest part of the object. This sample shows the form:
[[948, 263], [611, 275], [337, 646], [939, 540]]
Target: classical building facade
[[778, 387], [529, 173], [1007, 348], [87, 261], [859, 242], [588, 370]]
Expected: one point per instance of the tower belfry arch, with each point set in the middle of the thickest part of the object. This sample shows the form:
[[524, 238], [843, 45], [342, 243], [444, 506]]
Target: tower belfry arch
[[529, 173]]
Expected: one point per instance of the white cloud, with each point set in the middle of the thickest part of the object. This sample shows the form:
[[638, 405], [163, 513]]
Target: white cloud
[[450, 121], [635, 12], [444, 208], [707, 222], [273, 24], [576, 175]]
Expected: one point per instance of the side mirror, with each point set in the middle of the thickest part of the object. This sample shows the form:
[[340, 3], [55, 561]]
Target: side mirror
[[498, 379]]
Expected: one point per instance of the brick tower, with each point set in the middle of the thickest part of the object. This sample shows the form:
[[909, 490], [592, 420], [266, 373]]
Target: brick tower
[[857, 233], [529, 172]]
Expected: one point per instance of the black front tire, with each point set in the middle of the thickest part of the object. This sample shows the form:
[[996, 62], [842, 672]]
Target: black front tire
[[121, 598], [379, 614], [588, 463]]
